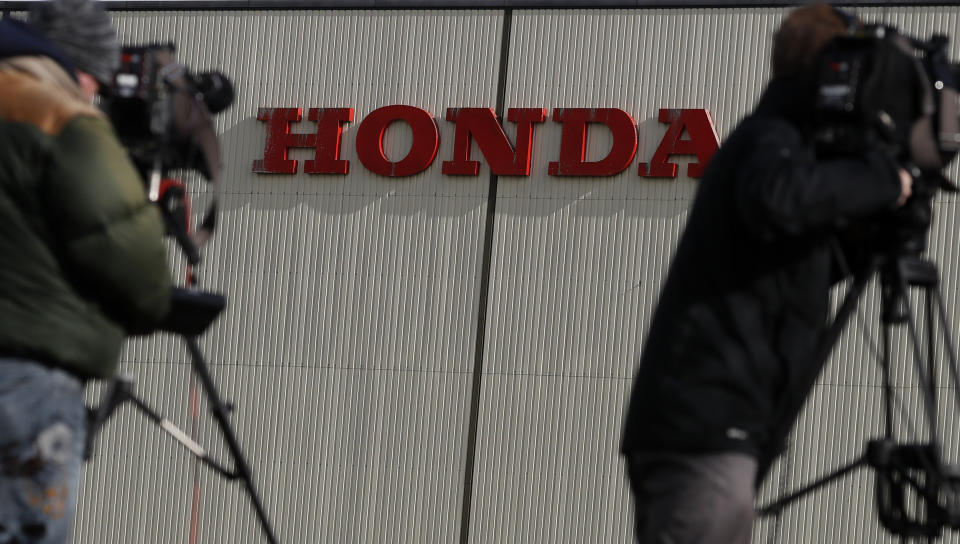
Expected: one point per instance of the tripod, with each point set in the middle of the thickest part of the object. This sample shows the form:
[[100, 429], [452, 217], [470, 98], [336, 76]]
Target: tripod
[[917, 494], [192, 313]]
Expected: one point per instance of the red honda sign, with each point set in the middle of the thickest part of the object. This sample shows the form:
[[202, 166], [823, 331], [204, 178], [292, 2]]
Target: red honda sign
[[482, 126]]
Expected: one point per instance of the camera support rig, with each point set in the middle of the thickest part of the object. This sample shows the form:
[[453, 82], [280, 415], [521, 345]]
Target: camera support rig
[[162, 114], [193, 311], [917, 468]]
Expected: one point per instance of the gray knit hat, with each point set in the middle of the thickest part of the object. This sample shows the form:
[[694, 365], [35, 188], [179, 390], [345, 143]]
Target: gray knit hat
[[83, 31]]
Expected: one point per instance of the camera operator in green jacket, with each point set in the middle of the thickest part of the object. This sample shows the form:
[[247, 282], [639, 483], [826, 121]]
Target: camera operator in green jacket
[[82, 259]]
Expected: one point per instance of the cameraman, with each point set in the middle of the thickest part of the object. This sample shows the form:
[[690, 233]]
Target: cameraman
[[82, 260], [745, 304]]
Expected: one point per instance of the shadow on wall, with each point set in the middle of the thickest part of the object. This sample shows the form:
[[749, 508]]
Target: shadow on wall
[[445, 195]]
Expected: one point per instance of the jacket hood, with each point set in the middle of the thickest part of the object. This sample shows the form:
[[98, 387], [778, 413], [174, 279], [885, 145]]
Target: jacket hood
[[20, 39]]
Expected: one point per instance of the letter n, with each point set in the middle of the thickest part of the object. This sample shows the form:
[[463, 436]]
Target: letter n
[[481, 125], [573, 142]]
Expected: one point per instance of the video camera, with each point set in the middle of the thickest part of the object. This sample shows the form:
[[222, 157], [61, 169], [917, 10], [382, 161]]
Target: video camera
[[152, 101], [162, 114], [878, 88]]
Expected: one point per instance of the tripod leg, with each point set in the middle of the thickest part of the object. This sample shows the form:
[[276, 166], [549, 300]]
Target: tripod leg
[[931, 347], [116, 393], [926, 386], [777, 506], [948, 344], [788, 411], [220, 415], [887, 382]]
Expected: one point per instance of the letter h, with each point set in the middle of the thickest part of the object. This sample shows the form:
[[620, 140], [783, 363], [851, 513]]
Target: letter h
[[325, 141]]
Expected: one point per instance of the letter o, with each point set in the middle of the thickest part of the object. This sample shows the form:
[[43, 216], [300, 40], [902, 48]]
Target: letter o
[[370, 133]]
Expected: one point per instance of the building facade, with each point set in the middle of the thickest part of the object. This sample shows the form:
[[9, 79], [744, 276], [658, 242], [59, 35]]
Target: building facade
[[418, 354]]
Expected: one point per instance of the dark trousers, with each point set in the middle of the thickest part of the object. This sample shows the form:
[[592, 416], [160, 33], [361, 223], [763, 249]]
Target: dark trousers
[[693, 499]]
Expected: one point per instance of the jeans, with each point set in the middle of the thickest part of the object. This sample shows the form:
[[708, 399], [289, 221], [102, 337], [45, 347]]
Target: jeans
[[42, 431], [693, 499]]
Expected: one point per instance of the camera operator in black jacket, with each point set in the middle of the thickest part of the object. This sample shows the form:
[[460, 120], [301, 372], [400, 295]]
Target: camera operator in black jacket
[[745, 304]]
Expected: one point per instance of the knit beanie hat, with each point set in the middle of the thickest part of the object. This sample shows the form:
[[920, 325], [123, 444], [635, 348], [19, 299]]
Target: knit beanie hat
[[83, 31]]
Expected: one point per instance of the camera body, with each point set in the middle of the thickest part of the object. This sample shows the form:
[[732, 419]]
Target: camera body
[[162, 114], [162, 111], [876, 88]]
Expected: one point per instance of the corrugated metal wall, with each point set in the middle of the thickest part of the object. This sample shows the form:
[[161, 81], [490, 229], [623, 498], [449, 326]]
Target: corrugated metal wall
[[350, 343]]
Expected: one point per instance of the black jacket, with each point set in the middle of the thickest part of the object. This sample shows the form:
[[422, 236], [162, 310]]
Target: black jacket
[[746, 299]]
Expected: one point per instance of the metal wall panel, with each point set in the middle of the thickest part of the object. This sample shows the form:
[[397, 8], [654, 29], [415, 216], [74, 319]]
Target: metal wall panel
[[445, 4], [348, 340], [578, 265]]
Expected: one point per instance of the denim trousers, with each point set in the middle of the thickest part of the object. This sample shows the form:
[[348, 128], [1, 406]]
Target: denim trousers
[[42, 431]]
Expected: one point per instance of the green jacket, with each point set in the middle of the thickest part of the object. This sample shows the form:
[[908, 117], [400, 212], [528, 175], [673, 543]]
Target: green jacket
[[82, 259]]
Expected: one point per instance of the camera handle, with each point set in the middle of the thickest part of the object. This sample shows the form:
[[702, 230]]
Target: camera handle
[[175, 208], [893, 461], [192, 313]]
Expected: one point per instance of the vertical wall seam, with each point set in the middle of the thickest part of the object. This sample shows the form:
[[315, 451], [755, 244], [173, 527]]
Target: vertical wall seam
[[484, 296]]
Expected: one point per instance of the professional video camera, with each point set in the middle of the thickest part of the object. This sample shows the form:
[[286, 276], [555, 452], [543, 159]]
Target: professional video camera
[[878, 88], [155, 106], [162, 114]]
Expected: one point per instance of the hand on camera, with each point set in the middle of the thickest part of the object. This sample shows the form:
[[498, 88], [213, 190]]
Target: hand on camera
[[906, 186]]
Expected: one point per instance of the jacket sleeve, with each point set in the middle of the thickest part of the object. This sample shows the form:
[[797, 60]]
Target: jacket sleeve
[[782, 189], [110, 235]]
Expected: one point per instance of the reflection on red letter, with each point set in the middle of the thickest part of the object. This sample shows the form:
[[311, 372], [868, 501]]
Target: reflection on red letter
[[329, 126], [703, 143], [573, 141], [279, 140], [370, 141], [482, 125]]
